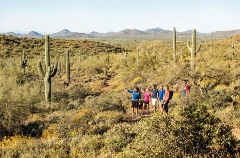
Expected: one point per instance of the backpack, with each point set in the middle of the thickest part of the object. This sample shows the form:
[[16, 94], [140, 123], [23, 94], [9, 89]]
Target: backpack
[[171, 95]]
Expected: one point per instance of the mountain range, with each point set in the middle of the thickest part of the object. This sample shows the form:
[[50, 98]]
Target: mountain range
[[154, 32]]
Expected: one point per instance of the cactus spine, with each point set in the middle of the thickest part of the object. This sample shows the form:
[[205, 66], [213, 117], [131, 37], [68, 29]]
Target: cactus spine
[[193, 48], [23, 62], [67, 67], [48, 72], [174, 44]]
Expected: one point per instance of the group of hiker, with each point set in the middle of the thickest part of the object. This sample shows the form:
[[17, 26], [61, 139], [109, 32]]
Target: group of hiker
[[160, 96]]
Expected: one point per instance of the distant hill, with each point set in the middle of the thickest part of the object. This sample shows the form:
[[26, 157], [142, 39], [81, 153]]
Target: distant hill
[[76, 35], [223, 34], [12, 33], [65, 33], [153, 32], [33, 34], [159, 32], [62, 33], [131, 33]]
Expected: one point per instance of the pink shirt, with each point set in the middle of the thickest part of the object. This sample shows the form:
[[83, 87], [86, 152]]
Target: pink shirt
[[146, 96]]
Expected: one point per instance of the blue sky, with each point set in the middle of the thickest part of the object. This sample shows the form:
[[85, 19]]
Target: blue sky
[[115, 15]]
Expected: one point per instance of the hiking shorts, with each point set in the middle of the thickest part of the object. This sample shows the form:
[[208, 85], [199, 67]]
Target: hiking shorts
[[154, 101], [135, 104], [146, 102]]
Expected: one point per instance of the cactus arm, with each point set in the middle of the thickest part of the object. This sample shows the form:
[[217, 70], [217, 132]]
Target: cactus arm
[[54, 71], [40, 69], [188, 45]]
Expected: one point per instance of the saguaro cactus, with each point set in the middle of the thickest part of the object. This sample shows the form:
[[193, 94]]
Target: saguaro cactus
[[49, 73], [193, 48], [23, 62], [67, 67], [174, 44]]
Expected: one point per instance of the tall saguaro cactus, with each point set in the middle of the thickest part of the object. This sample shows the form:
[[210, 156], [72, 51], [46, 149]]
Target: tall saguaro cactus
[[193, 48], [67, 67], [23, 62], [174, 44], [49, 73]]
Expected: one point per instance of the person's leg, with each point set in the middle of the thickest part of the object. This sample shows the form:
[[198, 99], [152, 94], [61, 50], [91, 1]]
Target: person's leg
[[160, 105], [165, 107], [143, 107], [148, 108], [154, 101], [133, 104]]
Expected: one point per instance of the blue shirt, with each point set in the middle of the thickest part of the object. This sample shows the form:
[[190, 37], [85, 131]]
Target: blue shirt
[[154, 93], [160, 94], [135, 95]]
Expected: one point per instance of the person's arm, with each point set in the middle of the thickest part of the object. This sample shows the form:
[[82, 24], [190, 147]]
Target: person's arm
[[129, 91]]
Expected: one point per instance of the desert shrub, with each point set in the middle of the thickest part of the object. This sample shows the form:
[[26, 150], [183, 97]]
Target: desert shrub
[[105, 120], [23, 147], [33, 129], [86, 146], [198, 130], [195, 132], [117, 138], [220, 99], [12, 115], [81, 93], [107, 101], [154, 138], [83, 120]]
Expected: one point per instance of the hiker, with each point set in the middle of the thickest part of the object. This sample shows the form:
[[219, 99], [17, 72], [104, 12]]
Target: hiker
[[161, 93], [166, 98], [154, 96], [135, 99], [185, 89], [146, 99]]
